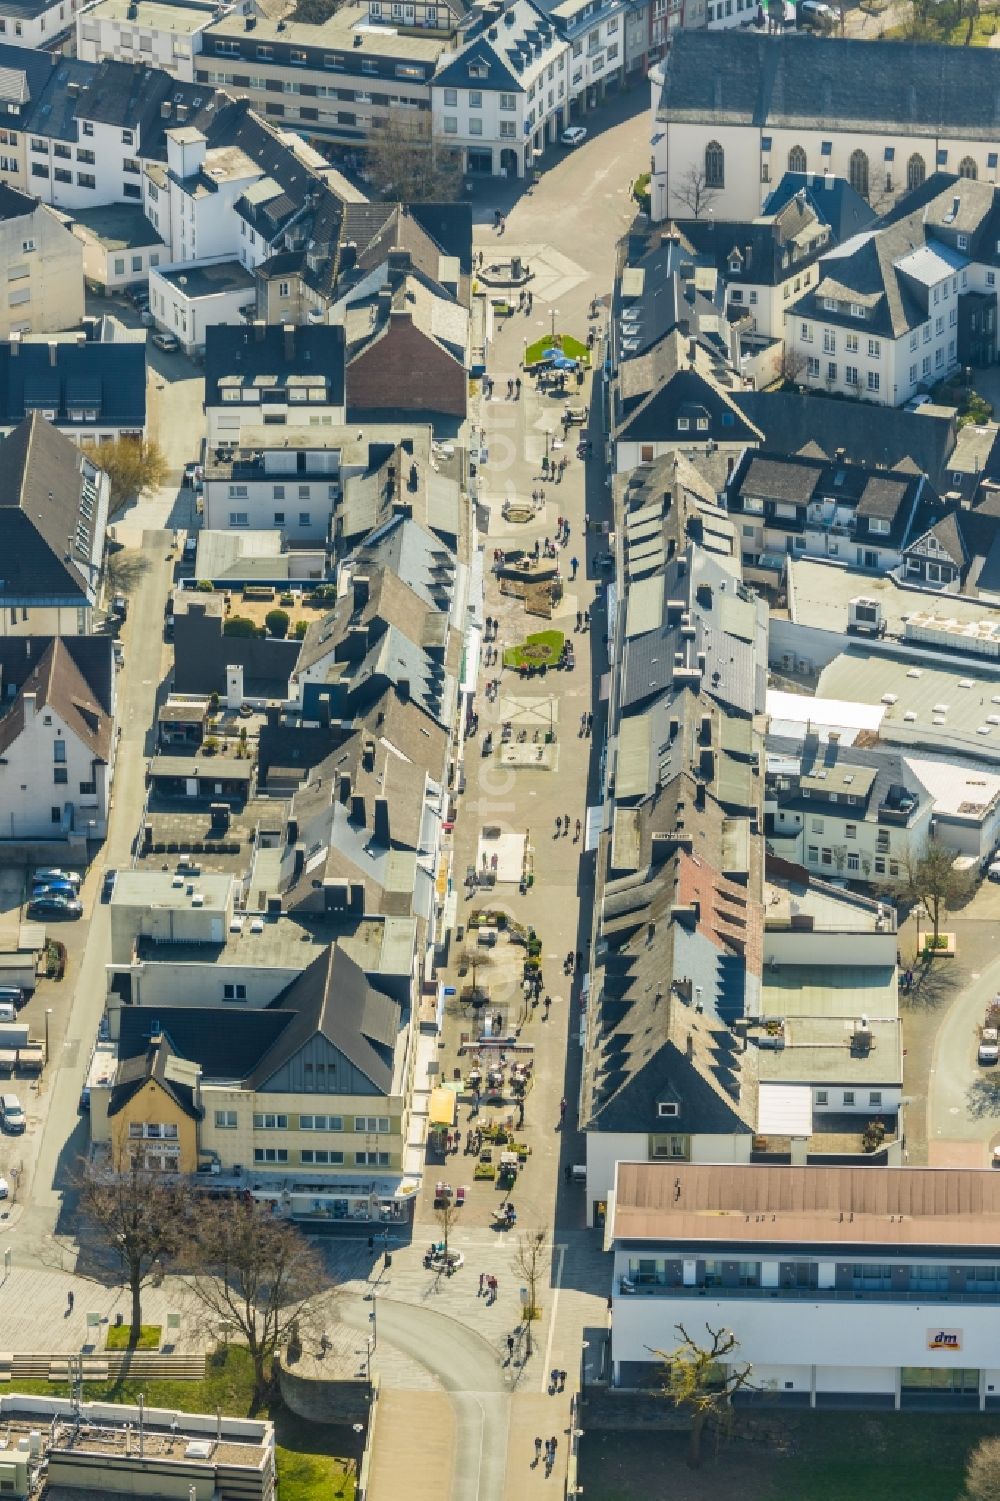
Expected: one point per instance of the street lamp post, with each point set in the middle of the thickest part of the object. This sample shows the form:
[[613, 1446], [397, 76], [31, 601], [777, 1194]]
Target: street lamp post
[[48, 1013], [554, 315], [583, 1370], [373, 1320]]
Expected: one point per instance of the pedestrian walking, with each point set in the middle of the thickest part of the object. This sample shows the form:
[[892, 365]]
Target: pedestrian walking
[[517, 388], [482, 1279], [553, 1445], [558, 826], [70, 1300], [538, 1451], [574, 564], [577, 834], [562, 1111], [586, 620], [590, 722], [510, 1347], [566, 824], [579, 619]]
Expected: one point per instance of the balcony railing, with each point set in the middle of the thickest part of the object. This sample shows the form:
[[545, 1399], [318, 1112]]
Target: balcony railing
[[626, 1288]]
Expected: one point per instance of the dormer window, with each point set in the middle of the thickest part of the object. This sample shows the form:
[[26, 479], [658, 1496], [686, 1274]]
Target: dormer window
[[668, 1109], [857, 311], [735, 262], [478, 70]]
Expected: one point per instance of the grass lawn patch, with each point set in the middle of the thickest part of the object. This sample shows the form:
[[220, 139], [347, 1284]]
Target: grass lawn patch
[[825, 1456], [149, 1337], [542, 650], [570, 347], [308, 1464]]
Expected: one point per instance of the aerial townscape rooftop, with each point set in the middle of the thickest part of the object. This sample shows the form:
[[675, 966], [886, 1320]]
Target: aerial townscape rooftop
[[499, 749]]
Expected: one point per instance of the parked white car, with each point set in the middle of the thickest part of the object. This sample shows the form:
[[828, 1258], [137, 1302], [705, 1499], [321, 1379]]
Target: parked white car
[[573, 135]]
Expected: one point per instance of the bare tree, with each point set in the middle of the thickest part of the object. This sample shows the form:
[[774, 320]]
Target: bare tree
[[931, 879], [529, 1262], [140, 1214], [446, 1215], [698, 1378], [256, 1272], [793, 364], [695, 191], [405, 162], [982, 1472]]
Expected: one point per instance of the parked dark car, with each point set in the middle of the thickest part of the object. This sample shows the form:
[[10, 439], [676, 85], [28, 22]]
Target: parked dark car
[[108, 885], [47, 904]]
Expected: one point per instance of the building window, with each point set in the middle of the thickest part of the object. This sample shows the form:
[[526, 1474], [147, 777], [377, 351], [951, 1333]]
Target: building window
[[715, 165], [916, 171], [875, 1098], [451, 125], [268, 1122], [234, 992], [797, 159], [60, 775], [858, 172], [321, 1157], [822, 1097], [225, 1120], [665, 1108], [508, 102], [848, 1096], [967, 168], [374, 1124], [270, 1154], [321, 1122], [853, 860], [372, 1159]]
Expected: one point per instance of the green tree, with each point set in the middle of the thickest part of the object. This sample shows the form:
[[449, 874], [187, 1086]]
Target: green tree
[[404, 162], [241, 625], [277, 622], [132, 466], [301, 626], [931, 879], [700, 1379]]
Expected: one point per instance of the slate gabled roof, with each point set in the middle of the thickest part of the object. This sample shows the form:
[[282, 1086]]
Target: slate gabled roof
[[250, 352], [503, 46], [42, 506], [331, 997], [107, 378], [832, 199], [868, 434], [134, 1072], [57, 679], [906, 88]]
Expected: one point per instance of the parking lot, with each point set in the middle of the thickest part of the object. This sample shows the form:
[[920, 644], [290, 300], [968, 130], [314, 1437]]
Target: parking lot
[[47, 1016]]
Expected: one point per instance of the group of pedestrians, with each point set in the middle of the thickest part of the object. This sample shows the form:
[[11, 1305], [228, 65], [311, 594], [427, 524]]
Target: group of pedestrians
[[488, 1287], [550, 1445]]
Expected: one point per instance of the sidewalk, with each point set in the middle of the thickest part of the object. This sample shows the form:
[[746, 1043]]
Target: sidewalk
[[34, 1316]]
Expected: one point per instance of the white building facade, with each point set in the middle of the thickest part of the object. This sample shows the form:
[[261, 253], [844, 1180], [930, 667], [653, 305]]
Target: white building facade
[[832, 1303]]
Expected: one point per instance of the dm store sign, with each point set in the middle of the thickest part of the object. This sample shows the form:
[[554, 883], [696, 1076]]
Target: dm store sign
[[944, 1339]]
